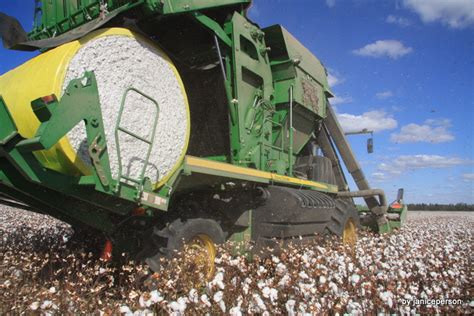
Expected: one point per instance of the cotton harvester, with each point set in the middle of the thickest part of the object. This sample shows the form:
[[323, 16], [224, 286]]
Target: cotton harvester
[[161, 121]]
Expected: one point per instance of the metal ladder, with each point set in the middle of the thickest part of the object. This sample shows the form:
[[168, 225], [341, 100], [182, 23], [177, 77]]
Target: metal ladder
[[140, 181]]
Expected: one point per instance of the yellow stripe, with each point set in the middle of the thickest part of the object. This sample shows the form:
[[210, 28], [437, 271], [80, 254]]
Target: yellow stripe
[[221, 166]]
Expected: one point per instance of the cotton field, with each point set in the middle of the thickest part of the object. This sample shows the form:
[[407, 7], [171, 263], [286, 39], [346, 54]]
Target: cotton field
[[423, 268]]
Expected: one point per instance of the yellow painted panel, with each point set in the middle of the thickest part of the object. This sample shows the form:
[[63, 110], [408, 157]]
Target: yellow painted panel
[[225, 167], [44, 75]]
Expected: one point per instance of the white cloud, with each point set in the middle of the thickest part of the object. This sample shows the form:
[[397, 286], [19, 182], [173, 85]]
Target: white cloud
[[456, 14], [384, 48], [468, 177], [431, 131], [384, 94], [330, 3], [340, 100], [402, 164], [399, 20], [373, 121], [253, 11], [333, 80], [379, 176]]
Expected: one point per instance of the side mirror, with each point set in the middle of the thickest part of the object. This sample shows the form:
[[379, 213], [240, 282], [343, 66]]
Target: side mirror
[[400, 194], [370, 145]]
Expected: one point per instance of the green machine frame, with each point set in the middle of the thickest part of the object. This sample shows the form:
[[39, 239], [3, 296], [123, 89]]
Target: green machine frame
[[276, 95]]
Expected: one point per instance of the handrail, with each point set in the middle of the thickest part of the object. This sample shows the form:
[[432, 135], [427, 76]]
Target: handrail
[[150, 142]]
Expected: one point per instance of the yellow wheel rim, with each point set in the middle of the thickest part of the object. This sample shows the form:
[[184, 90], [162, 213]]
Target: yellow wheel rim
[[205, 253], [349, 235]]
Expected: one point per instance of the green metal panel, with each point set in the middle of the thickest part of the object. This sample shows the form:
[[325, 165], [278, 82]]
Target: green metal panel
[[253, 89], [55, 17], [293, 64], [180, 6]]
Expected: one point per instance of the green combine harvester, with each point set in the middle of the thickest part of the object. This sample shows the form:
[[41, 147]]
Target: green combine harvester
[[260, 145]]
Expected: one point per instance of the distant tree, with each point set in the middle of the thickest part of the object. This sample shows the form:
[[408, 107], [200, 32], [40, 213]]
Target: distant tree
[[441, 207]]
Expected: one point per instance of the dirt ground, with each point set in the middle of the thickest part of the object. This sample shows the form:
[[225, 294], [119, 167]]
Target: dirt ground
[[426, 267]]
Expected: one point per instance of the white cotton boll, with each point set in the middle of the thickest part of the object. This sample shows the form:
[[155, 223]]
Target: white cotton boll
[[275, 259], [303, 275], [34, 306], [355, 278], [290, 307], [218, 280], [333, 287], [46, 304], [266, 292], [302, 308], [52, 290], [261, 305], [273, 295], [350, 267], [222, 306], [141, 301], [235, 311], [174, 306], [261, 270], [218, 296], [124, 309], [147, 312], [284, 281], [155, 296], [234, 262], [354, 308], [205, 300], [182, 301], [321, 249], [322, 279], [281, 268], [193, 296], [387, 298], [245, 288], [178, 306]]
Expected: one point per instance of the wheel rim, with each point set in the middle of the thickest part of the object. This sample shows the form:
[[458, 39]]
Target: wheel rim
[[204, 254], [349, 235]]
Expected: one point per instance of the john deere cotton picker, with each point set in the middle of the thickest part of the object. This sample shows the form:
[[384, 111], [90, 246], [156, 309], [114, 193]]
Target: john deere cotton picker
[[161, 121]]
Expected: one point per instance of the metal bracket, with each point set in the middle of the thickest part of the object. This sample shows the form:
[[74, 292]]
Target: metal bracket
[[95, 150]]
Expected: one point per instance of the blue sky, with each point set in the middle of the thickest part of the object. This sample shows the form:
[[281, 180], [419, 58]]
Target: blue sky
[[402, 68]]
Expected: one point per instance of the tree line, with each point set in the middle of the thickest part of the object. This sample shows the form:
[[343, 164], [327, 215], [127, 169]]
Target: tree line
[[441, 207]]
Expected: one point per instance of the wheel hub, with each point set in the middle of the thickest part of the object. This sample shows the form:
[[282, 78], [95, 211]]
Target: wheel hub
[[204, 253]]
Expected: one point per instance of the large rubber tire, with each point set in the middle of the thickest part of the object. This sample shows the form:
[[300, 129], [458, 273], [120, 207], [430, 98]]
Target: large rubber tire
[[293, 215], [173, 237], [345, 216], [316, 168]]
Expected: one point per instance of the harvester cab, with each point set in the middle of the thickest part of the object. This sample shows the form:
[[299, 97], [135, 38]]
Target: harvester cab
[[155, 122]]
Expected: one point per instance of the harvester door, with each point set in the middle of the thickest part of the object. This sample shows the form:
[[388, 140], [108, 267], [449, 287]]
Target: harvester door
[[253, 89]]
